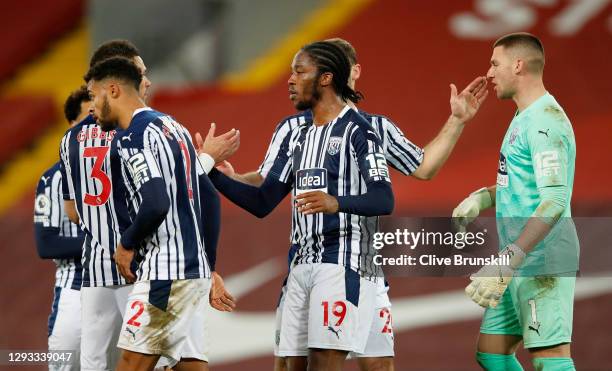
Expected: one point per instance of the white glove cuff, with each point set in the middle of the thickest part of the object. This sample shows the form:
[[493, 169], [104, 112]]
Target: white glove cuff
[[207, 162], [517, 255], [483, 198]]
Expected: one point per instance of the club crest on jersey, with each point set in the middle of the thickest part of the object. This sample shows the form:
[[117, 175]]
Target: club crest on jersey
[[513, 135], [308, 180], [334, 145]]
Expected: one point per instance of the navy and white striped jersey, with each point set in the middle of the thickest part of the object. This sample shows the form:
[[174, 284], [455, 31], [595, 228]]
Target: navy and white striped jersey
[[156, 146], [401, 153], [341, 158], [90, 167], [49, 212]]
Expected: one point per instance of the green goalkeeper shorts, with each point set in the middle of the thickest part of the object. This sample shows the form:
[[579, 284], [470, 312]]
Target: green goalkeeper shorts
[[539, 309]]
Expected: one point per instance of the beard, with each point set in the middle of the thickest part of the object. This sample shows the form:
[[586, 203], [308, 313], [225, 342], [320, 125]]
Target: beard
[[315, 95], [505, 94], [104, 120]]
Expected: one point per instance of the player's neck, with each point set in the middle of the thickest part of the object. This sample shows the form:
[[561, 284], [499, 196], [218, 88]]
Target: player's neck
[[326, 110], [127, 112], [529, 93]]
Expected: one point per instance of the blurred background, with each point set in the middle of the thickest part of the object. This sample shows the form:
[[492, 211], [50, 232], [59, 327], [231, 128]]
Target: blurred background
[[227, 61]]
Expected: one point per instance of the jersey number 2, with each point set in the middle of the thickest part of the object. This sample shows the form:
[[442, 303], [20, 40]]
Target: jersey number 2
[[132, 321], [99, 154]]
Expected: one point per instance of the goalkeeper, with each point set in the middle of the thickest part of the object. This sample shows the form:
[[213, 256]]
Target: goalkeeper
[[531, 300]]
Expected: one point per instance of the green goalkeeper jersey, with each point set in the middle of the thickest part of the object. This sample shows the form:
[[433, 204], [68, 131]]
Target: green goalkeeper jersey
[[538, 151]]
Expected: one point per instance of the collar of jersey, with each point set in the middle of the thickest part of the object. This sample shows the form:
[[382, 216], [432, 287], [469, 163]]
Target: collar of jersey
[[344, 110], [141, 110], [535, 103]]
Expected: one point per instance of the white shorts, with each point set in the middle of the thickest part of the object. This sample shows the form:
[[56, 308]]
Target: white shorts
[[65, 326], [380, 338], [325, 307], [167, 318], [101, 317]]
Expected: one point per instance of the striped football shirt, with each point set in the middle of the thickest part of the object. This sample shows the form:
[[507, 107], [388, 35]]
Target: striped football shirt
[[340, 158], [91, 177], [156, 146], [49, 212], [401, 153]]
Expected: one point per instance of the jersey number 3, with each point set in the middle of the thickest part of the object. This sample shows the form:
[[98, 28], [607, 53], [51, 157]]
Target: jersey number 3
[[99, 154]]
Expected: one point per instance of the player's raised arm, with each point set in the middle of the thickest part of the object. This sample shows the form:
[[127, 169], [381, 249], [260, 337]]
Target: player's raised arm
[[463, 107], [259, 201], [215, 149]]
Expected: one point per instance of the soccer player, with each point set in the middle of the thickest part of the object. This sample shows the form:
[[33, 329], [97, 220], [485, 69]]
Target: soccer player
[[531, 299], [338, 176], [165, 313], [402, 155], [97, 200], [61, 240]]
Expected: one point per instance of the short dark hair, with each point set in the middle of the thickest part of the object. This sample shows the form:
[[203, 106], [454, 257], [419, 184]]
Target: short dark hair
[[72, 106], [114, 48], [329, 57], [118, 67], [528, 41], [347, 48]]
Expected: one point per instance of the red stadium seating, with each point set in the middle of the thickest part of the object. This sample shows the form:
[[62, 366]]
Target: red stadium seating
[[23, 120], [28, 26]]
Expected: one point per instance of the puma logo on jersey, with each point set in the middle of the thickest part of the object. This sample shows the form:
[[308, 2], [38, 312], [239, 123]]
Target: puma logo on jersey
[[544, 132], [128, 137], [336, 332]]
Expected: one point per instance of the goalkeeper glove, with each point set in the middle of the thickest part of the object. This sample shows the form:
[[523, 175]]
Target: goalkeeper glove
[[469, 208], [490, 282]]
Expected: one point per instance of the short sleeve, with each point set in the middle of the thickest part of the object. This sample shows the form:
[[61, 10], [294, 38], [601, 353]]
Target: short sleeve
[[281, 167], [401, 153], [140, 156], [282, 131]]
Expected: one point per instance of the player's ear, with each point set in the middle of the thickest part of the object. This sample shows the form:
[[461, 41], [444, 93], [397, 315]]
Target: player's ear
[[519, 66], [114, 90], [356, 72], [326, 79]]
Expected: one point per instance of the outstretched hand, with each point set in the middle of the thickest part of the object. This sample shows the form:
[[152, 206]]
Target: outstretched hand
[[465, 104], [226, 168], [221, 147]]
